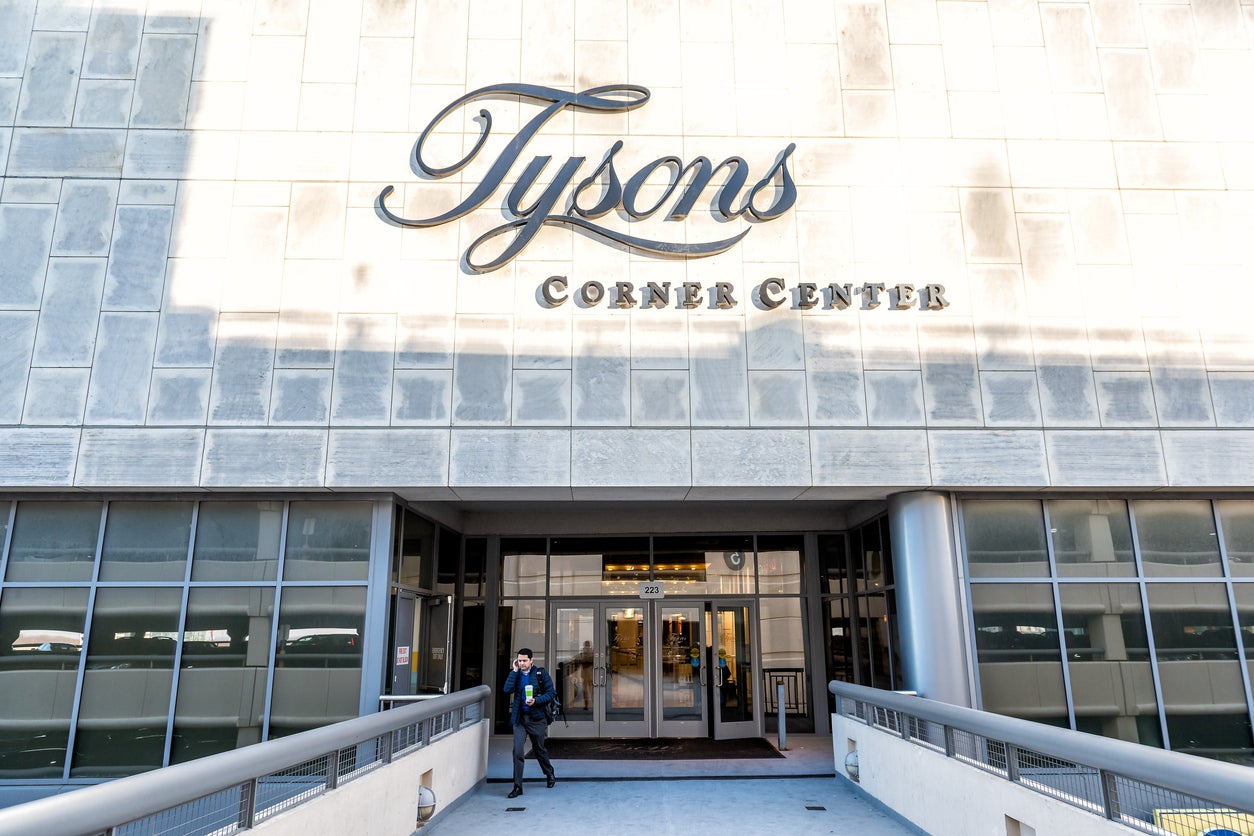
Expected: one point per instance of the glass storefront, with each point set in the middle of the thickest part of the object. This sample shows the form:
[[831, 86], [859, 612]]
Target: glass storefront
[[136, 634], [1130, 619]]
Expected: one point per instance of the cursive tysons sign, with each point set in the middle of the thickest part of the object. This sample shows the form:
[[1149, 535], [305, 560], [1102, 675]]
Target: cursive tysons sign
[[602, 191]]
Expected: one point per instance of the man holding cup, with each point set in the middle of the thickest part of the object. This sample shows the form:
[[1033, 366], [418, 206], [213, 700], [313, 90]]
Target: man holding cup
[[532, 688]]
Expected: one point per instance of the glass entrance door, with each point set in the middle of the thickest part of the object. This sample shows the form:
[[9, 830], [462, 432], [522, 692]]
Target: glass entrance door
[[683, 684], [602, 672], [733, 669]]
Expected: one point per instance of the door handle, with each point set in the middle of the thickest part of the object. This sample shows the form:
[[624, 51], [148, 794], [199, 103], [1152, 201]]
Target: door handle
[[703, 682], [599, 679]]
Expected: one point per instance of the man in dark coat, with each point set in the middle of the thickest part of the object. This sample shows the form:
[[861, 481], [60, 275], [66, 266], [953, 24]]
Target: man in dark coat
[[533, 689]]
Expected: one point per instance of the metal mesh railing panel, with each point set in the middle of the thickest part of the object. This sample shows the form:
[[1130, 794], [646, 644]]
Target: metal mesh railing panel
[[1062, 779], [213, 815], [1153, 809], [980, 751], [926, 732], [284, 790]]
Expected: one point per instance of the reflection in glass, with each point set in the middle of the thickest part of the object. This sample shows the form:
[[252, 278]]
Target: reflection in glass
[[416, 554], [519, 624], [126, 688], [474, 572], [327, 541], [871, 564], [1112, 684], [877, 623], [779, 565], [832, 564], [222, 678], [733, 664], [1203, 695], [840, 664], [317, 666], [704, 565], [598, 566], [1244, 594], [784, 663], [54, 541], [1177, 538], [237, 541], [1237, 517], [1092, 538], [1020, 662], [523, 571], [450, 558], [1005, 538], [146, 541], [573, 636], [683, 698], [624, 664], [41, 636], [471, 656]]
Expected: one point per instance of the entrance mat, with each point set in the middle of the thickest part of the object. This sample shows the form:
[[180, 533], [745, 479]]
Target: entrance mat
[[660, 749]]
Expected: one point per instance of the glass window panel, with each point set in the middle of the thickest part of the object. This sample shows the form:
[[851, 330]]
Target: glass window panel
[[1005, 539], [704, 565], [475, 571], [237, 541], [126, 687], [146, 541], [1202, 692], [415, 561], [870, 565], [519, 624], [1244, 593], [317, 666], [222, 678], [598, 566], [1112, 683], [41, 636], [6, 508], [1092, 538], [784, 663], [1177, 538], [1016, 641], [1237, 517], [327, 541], [471, 657], [450, 562], [779, 564], [523, 567], [878, 625], [54, 541], [833, 565]]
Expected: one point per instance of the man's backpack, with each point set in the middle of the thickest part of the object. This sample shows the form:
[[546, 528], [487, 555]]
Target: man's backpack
[[553, 708]]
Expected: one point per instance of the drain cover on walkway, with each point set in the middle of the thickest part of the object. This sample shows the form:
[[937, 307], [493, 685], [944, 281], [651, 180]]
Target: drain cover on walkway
[[812, 807], [515, 809], [697, 748]]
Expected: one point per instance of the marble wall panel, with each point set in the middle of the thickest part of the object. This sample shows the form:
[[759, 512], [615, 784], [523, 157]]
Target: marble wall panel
[[857, 458], [264, 458], [422, 396], [25, 240], [601, 371], [1131, 102], [362, 389], [165, 458], [1178, 373], [989, 226], [17, 17], [307, 314], [659, 398], [332, 41], [894, 398], [1232, 394], [1105, 459], [719, 380], [541, 397], [17, 342], [316, 220], [179, 396], [52, 152], [1196, 458], [37, 457], [659, 340], [70, 310], [51, 79], [1071, 48], [189, 314], [113, 40], [55, 397], [1064, 373], [542, 342], [121, 368], [988, 458], [950, 378], [404, 458], [300, 397], [135, 279], [481, 377], [966, 36], [777, 399], [505, 458], [618, 458], [774, 338], [103, 103], [85, 218], [163, 81], [281, 17], [999, 302], [1125, 399], [243, 369], [733, 459], [1010, 399], [836, 398]]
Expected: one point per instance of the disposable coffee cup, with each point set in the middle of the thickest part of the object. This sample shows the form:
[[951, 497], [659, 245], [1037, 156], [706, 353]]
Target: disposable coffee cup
[[529, 690]]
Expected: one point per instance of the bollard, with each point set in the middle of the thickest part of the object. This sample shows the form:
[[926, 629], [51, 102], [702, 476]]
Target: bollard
[[779, 702]]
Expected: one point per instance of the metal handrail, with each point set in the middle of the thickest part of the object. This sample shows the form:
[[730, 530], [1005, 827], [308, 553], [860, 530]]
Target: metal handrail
[[102, 807], [1219, 783]]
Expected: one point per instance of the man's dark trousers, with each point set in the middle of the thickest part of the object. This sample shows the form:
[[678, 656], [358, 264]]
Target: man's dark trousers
[[535, 728]]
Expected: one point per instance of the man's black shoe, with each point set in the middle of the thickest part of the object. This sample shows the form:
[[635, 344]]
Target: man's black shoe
[[552, 780], [515, 792]]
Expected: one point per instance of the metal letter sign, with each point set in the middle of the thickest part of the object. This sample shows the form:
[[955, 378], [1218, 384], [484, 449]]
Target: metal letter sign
[[604, 181]]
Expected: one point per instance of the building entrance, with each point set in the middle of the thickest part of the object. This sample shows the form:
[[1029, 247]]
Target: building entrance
[[656, 668]]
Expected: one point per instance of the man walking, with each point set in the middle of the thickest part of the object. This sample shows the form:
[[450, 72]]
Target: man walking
[[533, 689]]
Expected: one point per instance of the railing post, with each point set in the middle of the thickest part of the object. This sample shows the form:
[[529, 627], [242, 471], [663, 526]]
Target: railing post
[[903, 725], [1110, 795], [333, 769], [248, 804], [425, 733], [1012, 762], [388, 741], [949, 742]]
